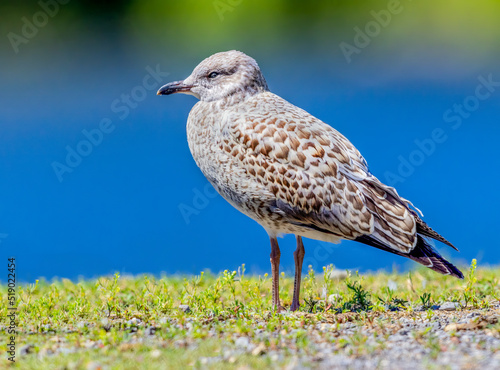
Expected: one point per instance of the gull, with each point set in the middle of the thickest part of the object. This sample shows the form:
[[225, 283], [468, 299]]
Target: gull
[[291, 172]]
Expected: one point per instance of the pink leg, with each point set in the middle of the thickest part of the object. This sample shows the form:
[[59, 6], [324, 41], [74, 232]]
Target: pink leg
[[275, 268], [298, 256]]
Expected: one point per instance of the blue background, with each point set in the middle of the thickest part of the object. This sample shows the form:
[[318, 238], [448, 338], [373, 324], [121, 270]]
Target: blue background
[[120, 208]]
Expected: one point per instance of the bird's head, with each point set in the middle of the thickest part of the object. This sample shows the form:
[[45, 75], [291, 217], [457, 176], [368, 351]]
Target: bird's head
[[220, 76]]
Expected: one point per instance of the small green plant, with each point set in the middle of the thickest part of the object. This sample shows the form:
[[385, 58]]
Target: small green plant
[[310, 289], [310, 303], [360, 297], [426, 301], [393, 303], [432, 343], [429, 314], [228, 279], [389, 295], [111, 289], [327, 280], [470, 293]]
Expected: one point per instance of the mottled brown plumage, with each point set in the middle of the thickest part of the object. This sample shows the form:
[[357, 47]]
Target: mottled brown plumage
[[291, 172]]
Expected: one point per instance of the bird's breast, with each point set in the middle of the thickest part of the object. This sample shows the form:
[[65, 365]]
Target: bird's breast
[[218, 156]]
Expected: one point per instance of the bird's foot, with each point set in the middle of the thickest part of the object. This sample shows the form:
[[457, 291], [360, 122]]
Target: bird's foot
[[295, 306], [279, 308]]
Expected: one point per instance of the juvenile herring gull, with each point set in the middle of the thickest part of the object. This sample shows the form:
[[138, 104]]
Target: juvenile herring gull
[[291, 172]]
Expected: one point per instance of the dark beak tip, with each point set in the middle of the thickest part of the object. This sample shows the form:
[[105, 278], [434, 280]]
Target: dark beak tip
[[173, 87], [165, 90]]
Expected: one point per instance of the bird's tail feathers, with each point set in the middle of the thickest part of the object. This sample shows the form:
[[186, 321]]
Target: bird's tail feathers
[[422, 253]]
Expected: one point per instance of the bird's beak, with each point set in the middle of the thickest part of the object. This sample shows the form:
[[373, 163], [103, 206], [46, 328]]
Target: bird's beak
[[175, 87]]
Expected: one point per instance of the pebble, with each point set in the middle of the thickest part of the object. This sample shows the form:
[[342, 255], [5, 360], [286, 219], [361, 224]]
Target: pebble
[[155, 353], [242, 342], [185, 308], [81, 324], [259, 350], [449, 306], [150, 331], [24, 350], [134, 321]]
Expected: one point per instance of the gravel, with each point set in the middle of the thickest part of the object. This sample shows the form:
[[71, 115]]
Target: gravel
[[450, 338]]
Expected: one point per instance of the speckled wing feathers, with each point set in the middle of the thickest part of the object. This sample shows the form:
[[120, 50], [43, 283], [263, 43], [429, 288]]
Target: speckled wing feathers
[[318, 178]]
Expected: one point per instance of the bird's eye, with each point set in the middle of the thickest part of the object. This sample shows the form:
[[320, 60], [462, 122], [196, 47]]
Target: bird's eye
[[213, 74]]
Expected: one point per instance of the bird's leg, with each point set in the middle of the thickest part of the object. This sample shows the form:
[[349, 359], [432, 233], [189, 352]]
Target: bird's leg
[[275, 268], [298, 256]]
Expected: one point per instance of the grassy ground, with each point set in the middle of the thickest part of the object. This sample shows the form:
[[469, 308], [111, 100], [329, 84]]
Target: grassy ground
[[143, 322]]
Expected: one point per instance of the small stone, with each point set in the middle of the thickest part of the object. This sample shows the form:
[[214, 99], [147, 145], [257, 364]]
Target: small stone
[[134, 321], [106, 325], [451, 327], [65, 350], [274, 356], [318, 357], [180, 343], [155, 353], [88, 343], [27, 349], [259, 350], [150, 331], [81, 324], [449, 306], [472, 314], [185, 308], [242, 342]]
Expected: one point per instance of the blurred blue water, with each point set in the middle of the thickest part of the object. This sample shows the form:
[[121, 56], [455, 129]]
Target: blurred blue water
[[119, 209]]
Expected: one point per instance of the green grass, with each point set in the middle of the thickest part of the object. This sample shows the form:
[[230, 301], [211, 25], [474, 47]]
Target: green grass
[[136, 323]]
